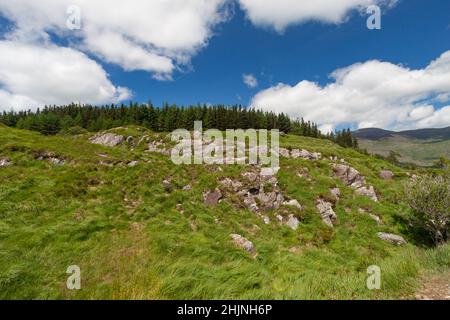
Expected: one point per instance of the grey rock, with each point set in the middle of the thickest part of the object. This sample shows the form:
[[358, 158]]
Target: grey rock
[[133, 164], [212, 198], [187, 188], [386, 174], [108, 139], [326, 212], [293, 203], [5, 162], [292, 222], [243, 243], [367, 191], [284, 152], [336, 193], [392, 238], [56, 161]]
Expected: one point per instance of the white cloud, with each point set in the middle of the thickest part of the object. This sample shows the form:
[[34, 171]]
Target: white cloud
[[250, 80], [370, 94], [279, 14], [152, 35], [32, 76]]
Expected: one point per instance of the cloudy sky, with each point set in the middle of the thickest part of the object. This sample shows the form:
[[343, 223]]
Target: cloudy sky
[[315, 59]]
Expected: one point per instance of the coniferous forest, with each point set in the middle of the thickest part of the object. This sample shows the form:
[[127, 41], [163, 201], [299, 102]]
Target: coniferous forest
[[56, 119]]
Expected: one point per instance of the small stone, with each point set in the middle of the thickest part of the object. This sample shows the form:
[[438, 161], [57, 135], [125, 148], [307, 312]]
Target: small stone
[[293, 203], [5, 162], [56, 161], [367, 191], [187, 188], [133, 164], [167, 185], [336, 193], [243, 243], [130, 139], [326, 212], [392, 238], [292, 222], [212, 198], [386, 174]]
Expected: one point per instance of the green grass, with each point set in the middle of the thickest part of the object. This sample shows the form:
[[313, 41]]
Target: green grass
[[419, 152], [123, 229]]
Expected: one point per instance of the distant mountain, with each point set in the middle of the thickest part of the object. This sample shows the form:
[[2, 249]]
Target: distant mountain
[[422, 146], [420, 134]]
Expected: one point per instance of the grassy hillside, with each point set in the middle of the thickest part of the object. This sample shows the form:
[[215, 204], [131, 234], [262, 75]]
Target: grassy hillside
[[126, 231], [422, 147], [420, 152]]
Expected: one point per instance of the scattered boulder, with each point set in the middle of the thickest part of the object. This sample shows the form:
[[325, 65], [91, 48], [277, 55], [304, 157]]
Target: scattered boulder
[[351, 177], [386, 174], [292, 222], [392, 238], [187, 188], [212, 198], [336, 193], [293, 203], [5, 162], [158, 147], [56, 161], [375, 217], [133, 164], [269, 172], [243, 243], [180, 208], [167, 185], [326, 211], [130, 139], [284, 152], [367, 191], [107, 139]]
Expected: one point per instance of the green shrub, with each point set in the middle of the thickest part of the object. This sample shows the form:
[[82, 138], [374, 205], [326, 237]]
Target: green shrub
[[429, 199]]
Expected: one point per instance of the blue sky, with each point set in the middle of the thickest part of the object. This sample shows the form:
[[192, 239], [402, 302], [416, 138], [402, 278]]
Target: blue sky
[[412, 34], [197, 52]]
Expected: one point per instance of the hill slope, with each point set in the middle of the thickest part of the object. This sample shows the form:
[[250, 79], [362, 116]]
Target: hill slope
[[422, 147], [137, 232]]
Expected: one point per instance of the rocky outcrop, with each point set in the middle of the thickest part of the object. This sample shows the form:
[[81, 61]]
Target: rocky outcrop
[[352, 178], [107, 139], [158, 147], [326, 211], [386, 174], [392, 238], [303, 154], [259, 193], [5, 162], [243, 243], [50, 157]]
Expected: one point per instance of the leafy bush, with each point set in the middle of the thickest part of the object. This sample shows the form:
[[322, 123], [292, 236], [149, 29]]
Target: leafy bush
[[429, 198]]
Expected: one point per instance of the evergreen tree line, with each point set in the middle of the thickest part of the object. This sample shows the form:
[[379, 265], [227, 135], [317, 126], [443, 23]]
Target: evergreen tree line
[[54, 119]]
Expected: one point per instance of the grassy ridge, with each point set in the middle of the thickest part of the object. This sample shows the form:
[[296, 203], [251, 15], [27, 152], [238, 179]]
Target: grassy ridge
[[123, 228], [420, 152]]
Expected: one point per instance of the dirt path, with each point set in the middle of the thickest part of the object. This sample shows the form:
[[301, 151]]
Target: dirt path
[[435, 287]]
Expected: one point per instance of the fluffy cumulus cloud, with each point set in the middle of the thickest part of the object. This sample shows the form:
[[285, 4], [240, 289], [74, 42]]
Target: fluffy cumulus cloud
[[250, 80], [34, 76], [157, 36], [279, 14], [369, 94]]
